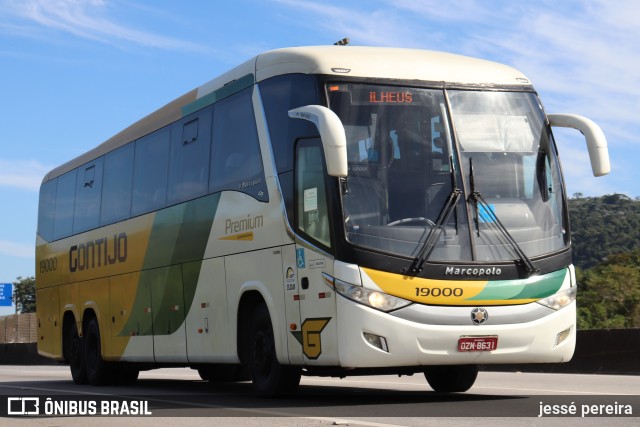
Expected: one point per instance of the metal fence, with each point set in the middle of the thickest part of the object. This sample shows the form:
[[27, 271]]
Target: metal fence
[[18, 328]]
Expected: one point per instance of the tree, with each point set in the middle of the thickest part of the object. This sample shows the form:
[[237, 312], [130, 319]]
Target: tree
[[24, 294], [609, 293]]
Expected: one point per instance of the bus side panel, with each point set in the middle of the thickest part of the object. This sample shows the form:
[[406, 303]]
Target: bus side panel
[[292, 304], [207, 323], [167, 304], [70, 302], [319, 328], [49, 323], [131, 327], [94, 295]]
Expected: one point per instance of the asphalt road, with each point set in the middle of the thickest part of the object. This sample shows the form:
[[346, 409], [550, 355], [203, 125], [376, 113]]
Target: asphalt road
[[178, 397]]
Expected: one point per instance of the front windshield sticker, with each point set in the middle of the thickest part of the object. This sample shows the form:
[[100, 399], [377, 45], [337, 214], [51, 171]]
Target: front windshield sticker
[[311, 199], [484, 214]]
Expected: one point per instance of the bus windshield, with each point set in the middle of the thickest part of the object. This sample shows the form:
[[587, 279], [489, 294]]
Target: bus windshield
[[410, 149]]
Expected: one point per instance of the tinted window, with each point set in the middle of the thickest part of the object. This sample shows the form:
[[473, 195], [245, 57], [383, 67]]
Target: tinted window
[[88, 192], [65, 197], [279, 95], [311, 195], [150, 172], [46, 209], [235, 155], [189, 164], [116, 186]]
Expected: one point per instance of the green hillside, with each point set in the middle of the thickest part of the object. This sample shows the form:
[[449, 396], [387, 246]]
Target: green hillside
[[606, 250], [602, 226]]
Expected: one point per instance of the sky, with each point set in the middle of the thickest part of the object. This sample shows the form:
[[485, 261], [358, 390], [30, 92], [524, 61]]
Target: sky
[[75, 72]]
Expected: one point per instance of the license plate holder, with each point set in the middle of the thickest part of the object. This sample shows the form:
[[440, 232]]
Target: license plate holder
[[477, 343]]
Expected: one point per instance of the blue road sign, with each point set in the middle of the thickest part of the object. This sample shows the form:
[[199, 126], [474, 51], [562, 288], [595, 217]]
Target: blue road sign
[[6, 292]]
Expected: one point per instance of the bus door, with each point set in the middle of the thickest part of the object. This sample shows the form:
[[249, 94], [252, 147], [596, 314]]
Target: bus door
[[317, 330]]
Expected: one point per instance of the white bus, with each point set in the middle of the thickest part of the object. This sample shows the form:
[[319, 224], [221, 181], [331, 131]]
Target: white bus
[[332, 210]]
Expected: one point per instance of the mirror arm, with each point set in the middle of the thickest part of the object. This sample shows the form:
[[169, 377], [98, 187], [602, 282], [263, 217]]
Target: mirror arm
[[334, 140], [596, 141]]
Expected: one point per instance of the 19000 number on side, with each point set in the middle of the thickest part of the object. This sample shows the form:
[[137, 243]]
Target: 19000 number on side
[[48, 264]]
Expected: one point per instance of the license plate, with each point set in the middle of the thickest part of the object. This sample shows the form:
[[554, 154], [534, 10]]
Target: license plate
[[477, 343]]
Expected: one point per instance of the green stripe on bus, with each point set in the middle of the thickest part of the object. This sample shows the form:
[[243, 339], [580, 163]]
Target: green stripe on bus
[[532, 288], [178, 240], [215, 96]]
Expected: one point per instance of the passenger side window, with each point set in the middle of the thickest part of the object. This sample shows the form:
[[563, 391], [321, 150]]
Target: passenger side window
[[190, 154], [46, 209], [88, 194], [116, 186], [65, 201], [150, 172], [236, 163], [311, 198]]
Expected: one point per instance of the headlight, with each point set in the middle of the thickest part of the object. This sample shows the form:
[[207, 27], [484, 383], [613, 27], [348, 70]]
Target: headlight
[[368, 297], [560, 299]]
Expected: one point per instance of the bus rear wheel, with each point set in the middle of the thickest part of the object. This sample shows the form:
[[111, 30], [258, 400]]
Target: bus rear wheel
[[269, 377], [451, 378], [97, 369]]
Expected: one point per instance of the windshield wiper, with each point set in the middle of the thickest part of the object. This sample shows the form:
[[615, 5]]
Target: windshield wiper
[[436, 230], [478, 199]]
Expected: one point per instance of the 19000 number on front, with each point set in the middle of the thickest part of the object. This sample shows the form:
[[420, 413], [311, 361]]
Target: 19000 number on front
[[439, 292]]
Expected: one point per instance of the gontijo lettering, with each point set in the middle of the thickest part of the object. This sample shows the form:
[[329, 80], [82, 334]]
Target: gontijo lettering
[[98, 253]]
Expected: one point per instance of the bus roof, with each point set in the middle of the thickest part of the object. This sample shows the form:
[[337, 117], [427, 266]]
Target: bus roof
[[347, 61]]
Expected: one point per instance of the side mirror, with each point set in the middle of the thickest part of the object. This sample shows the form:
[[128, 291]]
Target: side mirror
[[596, 141], [334, 140]]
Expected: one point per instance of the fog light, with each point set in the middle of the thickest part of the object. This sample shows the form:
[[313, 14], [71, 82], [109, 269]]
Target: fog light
[[562, 336], [376, 341]]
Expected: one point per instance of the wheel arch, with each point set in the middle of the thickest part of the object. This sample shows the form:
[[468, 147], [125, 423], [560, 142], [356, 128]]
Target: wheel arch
[[249, 301]]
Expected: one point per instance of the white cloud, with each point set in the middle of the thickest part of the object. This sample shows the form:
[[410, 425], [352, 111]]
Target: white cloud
[[87, 19], [22, 174], [378, 27], [19, 250]]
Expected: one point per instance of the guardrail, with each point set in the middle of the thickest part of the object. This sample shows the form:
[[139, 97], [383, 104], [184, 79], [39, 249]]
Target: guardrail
[[598, 351], [18, 340], [602, 351]]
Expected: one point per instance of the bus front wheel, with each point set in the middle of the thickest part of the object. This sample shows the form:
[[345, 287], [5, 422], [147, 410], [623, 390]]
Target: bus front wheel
[[451, 378], [269, 377], [73, 353]]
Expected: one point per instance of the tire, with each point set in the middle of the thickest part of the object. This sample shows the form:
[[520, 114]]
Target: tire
[[269, 377], [97, 369], [73, 353], [451, 378]]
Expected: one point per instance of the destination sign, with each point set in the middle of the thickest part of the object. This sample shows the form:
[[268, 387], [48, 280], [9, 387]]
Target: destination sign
[[385, 95]]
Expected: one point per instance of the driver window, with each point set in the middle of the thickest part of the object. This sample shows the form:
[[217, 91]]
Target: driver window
[[311, 199]]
